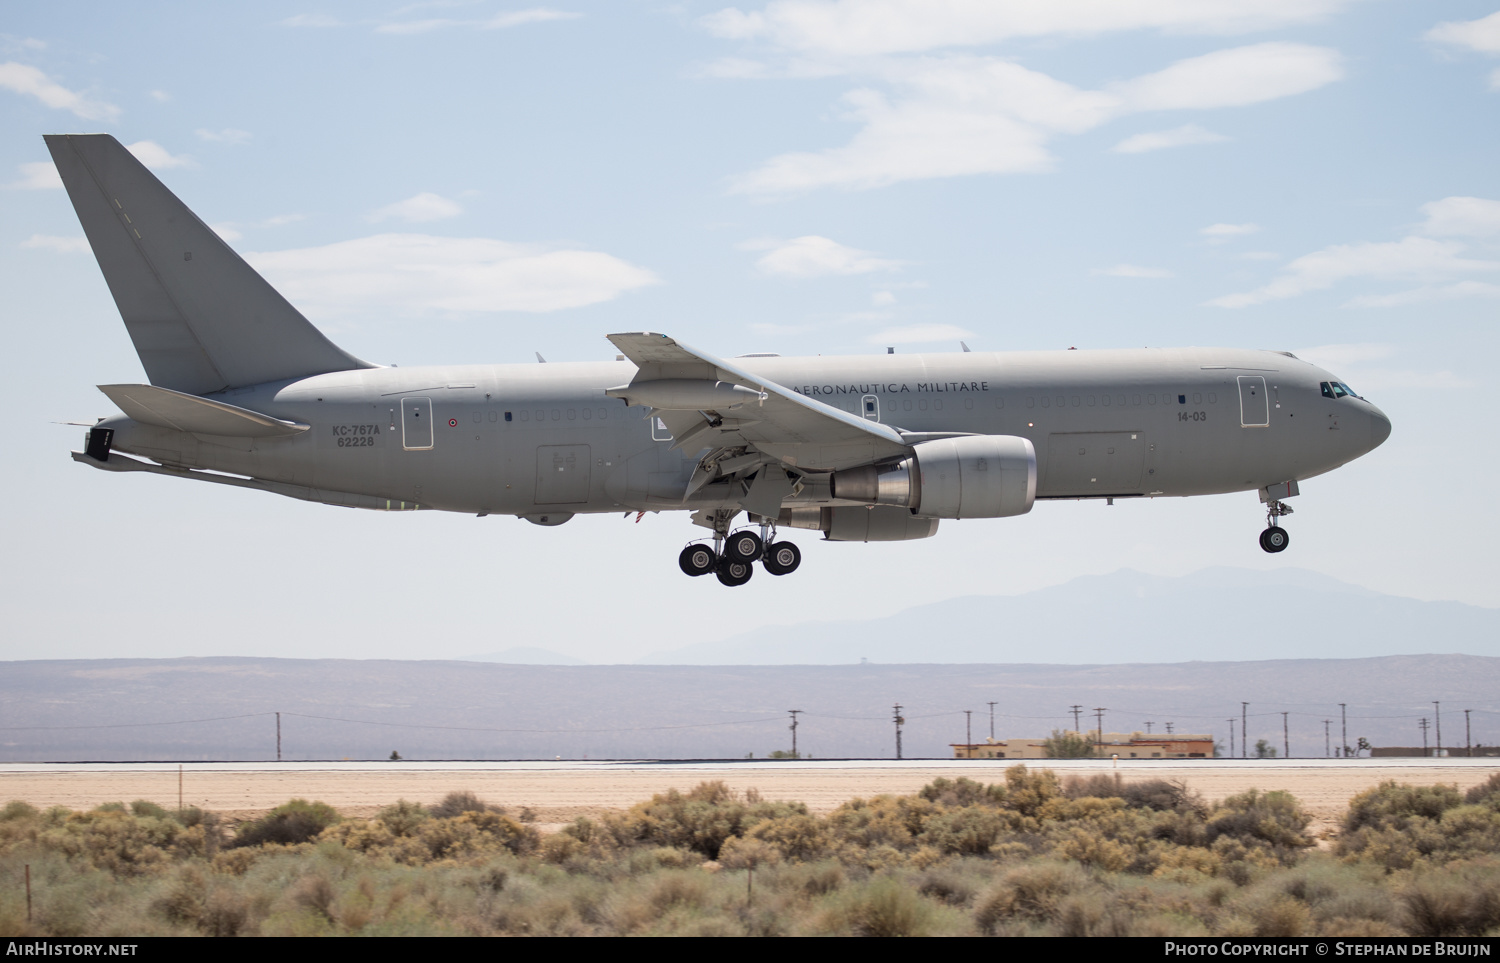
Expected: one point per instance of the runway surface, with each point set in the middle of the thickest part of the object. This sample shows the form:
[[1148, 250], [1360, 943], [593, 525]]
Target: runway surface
[[560, 791]]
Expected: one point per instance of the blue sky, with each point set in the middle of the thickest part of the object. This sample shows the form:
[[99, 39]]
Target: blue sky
[[475, 182]]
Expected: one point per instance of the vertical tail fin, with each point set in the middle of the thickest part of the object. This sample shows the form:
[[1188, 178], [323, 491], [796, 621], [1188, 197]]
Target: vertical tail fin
[[201, 318]]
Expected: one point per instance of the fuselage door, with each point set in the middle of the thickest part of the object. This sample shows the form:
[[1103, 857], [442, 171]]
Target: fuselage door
[[869, 407], [416, 424], [562, 474], [1255, 412]]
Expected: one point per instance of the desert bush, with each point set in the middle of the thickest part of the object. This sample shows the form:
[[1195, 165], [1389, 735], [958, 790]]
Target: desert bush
[[700, 820], [1397, 826], [1459, 899], [1273, 822], [297, 821], [963, 791], [1487, 792], [886, 907], [458, 803], [1033, 892]]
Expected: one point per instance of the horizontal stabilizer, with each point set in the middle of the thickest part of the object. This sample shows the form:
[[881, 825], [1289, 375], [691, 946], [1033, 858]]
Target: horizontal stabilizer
[[166, 408], [201, 318]]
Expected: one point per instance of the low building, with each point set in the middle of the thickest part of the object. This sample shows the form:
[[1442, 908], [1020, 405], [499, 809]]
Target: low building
[[1126, 745]]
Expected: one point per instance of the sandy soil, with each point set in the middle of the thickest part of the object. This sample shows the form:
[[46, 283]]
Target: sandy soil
[[559, 795]]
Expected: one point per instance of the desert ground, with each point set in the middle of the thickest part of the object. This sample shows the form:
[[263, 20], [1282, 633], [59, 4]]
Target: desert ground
[[557, 793]]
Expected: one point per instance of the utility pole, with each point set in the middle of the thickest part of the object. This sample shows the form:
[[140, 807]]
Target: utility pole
[[992, 720], [1075, 717], [1438, 714], [278, 737], [1099, 715], [968, 731], [1286, 745], [1244, 741], [1425, 725], [1149, 724], [1327, 738], [1231, 737], [794, 713], [899, 721], [1468, 745], [1343, 730], [1169, 728]]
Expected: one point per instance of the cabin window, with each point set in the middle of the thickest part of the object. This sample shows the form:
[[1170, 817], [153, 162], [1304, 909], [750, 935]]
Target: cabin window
[[494, 416], [603, 414], [1213, 398], [1061, 401], [507, 415], [588, 414], [525, 416], [968, 404], [921, 404], [1090, 400], [541, 416], [1075, 401], [1105, 399], [1150, 399], [937, 404], [999, 402], [1030, 402], [1046, 402], [572, 414], [1197, 398], [478, 417], [1182, 399], [907, 405], [1137, 400]]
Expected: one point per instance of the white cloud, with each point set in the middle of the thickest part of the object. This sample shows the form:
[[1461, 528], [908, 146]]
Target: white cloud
[[62, 245], [1133, 271], [1495, 79], [280, 219], [228, 135], [957, 115], [856, 28], [1411, 258], [1234, 78], [1228, 230], [419, 208], [882, 299], [1176, 137], [413, 274], [740, 68], [919, 334], [26, 79], [812, 256], [1469, 216], [228, 233], [37, 176], [1482, 35], [1260, 256], [1430, 292], [160, 96], [500, 21], [157, 157]]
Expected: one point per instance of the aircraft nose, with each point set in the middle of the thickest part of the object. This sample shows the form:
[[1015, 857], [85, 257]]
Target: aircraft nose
[[1380, 427]]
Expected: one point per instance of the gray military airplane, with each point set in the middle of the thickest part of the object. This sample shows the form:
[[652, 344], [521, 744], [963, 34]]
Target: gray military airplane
[[245, 391]]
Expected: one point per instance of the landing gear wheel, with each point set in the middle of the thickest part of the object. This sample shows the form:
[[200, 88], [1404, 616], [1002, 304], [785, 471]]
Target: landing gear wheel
[[734, 573], [1275, 539], [744, 546], [782, 558], [697, 560]]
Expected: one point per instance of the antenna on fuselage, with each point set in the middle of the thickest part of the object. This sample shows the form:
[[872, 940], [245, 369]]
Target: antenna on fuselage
[[540, 359], [964, 346]]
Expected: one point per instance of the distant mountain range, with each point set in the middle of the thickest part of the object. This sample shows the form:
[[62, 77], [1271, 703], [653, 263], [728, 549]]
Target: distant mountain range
[[1217, 614], [226, 708]]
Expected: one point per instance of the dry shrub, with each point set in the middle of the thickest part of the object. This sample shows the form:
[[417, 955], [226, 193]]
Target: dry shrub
[[1032, 892], [297, 821], [1487, 793], [458, 803], [1460, 899], [1272, 822], [963, 791], [888, 908]]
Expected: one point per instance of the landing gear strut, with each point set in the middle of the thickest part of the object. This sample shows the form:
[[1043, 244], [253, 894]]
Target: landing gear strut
[[1275, 538]]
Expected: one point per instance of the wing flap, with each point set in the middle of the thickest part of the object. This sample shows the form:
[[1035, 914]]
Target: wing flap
[[794, 429]]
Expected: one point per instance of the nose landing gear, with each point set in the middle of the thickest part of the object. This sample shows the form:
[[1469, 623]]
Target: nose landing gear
[[1275, 538]]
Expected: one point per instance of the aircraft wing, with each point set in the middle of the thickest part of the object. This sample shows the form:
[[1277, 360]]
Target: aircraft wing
[[788, 427]]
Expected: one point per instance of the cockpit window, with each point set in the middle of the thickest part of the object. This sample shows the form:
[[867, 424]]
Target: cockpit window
[[1337, 389]]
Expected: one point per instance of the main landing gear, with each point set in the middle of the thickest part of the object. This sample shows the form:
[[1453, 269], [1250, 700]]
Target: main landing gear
[[733, 555], [1275, 538]]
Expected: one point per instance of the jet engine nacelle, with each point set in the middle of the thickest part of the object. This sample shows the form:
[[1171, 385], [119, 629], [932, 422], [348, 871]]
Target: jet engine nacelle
[[973, 476], [854, 523]]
